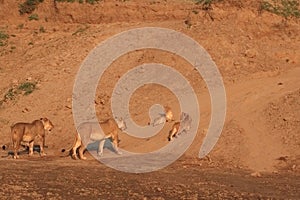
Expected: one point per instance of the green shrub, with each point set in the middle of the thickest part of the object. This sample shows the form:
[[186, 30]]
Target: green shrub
[[27, 87]]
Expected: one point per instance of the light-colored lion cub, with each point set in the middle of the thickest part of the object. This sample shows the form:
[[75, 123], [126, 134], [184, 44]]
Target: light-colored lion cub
[[183, 126], [89, 131], [165, 117], [29, 132]]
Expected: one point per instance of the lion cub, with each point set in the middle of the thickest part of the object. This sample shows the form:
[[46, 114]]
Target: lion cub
[[165, 117], [29, 132], [183, 126]]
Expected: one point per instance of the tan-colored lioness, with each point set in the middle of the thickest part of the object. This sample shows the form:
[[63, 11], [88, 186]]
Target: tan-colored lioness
[[89, 131], [28, 133]]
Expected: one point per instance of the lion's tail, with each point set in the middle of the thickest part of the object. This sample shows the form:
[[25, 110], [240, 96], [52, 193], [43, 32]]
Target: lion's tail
[[6, 146], [69, 150]]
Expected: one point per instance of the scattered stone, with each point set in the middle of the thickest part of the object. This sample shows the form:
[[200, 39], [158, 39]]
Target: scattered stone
[[251, 53], [38, 85], [283, 158], [25, 110], [256, 174], [102, 101], [15, 82]]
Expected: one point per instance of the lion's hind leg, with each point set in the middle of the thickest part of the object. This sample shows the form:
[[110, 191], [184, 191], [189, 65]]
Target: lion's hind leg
[[16, 141], [16, 146]]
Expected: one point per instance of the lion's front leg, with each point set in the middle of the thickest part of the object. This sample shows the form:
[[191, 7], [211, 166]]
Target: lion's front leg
[[42, 145], [16, 145], [40, 140], [100, 148], [81, 151]]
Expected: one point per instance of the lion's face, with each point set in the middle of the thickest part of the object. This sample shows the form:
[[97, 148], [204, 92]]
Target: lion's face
[[47, 124], [121, 124]]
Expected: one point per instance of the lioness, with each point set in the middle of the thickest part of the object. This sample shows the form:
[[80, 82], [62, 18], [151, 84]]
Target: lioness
[[89, 131], [183, 126], [27, 133]]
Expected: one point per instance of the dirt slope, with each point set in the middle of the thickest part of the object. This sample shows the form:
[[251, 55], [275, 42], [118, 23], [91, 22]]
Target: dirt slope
[[257, 54]]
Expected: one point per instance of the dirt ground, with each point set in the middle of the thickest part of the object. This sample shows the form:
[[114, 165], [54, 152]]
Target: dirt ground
[[257, 53]]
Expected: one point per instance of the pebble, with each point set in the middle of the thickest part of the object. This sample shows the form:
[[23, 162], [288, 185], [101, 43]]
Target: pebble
[[255, 174], [25, 110], [251, 53]]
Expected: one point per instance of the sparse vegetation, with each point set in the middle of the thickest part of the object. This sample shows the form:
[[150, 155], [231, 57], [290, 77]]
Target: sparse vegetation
[[20, 26], [29, 6], [27, 87], [285, 8], [24, 88], [42, 29], [33, 17], [3, 38], [80, 30], [206, 4], [79, 1], [10, 95]]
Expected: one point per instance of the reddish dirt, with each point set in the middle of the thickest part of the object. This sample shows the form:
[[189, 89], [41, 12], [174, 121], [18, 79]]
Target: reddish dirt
[[258, 55]]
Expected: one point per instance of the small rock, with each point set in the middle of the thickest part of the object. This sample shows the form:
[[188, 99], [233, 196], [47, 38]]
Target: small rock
[[251, 53], [15, 82], [25, 110], [255, 174], [38, 85], [283, 158], [29, 79], [102, 101], [294, 167]]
